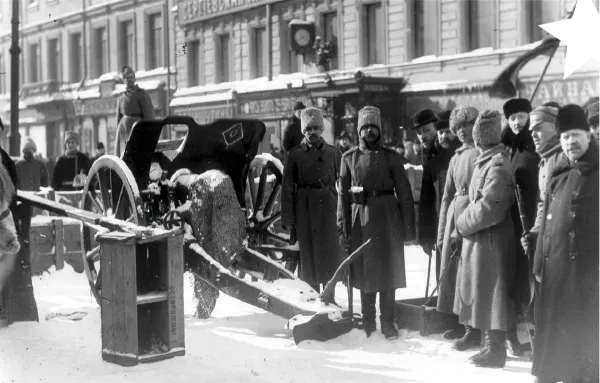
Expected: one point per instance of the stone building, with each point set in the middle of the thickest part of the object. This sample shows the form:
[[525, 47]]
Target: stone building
[[71, 54], [401, 55]]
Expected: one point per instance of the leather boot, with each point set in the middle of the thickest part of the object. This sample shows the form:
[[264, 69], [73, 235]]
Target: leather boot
[[512, 342], [454, 333], [367, 301], [387, 308], [472, 338], [494, 350]]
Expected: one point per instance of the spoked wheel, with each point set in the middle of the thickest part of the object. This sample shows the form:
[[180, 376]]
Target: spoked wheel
[[265, 233], [110, 190]]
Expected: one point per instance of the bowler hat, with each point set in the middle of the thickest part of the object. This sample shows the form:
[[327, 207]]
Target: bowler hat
[[100, 145], [443, 121], [423, 117]]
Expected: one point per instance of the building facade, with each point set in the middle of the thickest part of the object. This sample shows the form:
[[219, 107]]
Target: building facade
[[72, 52], [400, 55]]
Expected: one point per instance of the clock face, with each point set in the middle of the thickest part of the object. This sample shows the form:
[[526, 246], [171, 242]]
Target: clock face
[[302, 37]]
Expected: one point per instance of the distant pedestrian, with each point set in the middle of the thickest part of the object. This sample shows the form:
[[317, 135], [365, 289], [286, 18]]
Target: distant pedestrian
[[72, 167], [344, 144], [292, 134], [100, 151], [133, 104], [31, 172], [592, 117]]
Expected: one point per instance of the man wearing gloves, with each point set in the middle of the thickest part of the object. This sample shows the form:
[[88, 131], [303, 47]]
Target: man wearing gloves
[[482, 285], [566, 260], [375, 202], [455, 199], [309, 201]]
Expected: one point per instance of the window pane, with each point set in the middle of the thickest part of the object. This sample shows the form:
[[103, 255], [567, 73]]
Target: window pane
[[223, 58], [76, 61], [542, 12], [194, 63], [330, 33], [101, 54], [374, 35], [260, 45], [126, 54], [34, 65], [53, 58], [155, 45], [481, 23]]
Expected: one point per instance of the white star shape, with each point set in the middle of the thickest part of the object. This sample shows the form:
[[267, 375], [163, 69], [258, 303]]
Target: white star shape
[[580, 33]]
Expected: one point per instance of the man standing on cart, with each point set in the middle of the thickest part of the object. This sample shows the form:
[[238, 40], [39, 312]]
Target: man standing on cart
[[309, 201]]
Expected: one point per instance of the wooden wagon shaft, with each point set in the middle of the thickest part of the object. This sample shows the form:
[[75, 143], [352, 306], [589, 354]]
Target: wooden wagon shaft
[[250, 292], [86, 217]]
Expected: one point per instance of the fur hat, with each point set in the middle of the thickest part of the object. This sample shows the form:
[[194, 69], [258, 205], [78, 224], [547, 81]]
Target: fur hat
[[310, 117], [541, 114], [516, 105], [443, 121], [462, 115], [125, 70], [71, 135], [571, 117], [488, 128], [28, 143], [369, 115], [592, 113]]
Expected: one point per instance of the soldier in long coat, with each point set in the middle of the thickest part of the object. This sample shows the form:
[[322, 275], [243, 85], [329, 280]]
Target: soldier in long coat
[[454, 201], [309, 201], [566, 260], [521, 148], [482, 287], [375, 202]]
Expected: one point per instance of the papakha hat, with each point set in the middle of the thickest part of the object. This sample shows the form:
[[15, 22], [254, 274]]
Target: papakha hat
[[462, 115], [369, 115], [310, 117], [488, 128]]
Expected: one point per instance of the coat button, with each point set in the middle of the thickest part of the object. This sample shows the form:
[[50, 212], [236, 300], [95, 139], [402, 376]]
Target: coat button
[[549, 216]]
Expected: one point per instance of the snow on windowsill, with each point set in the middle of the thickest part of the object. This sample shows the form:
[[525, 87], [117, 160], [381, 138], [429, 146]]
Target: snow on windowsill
[[146, 85]]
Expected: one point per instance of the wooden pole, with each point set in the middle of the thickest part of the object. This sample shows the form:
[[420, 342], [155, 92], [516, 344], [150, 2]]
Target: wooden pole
[[14, 137]]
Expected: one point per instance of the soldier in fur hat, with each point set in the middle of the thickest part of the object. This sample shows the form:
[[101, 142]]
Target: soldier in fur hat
[[454, 201], [566, 260], [133, 104], [70, 165], [482, 298], [375, 202], [309, 199]]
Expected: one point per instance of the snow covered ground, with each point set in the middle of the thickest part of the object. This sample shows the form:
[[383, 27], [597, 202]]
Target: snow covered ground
[[239, 343]]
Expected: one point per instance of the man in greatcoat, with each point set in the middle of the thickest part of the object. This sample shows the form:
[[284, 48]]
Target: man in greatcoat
[[566, 260], [292, 134], [521, 148], [309, 201], [455, 199], [375, 202], [71, 167], [32, 173], [439, 145], [487, 258], [133, 104]]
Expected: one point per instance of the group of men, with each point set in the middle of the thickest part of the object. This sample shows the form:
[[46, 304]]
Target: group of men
[[511, 213]]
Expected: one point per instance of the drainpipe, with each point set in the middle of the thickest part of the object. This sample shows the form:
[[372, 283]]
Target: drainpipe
[[270, 44], [14, 137], [167, 59]]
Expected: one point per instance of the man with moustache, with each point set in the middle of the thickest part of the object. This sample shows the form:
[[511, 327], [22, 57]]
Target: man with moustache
[[375, 202], [521, 149], [566, 260], [454, 201], [439, 145], [309, 201]]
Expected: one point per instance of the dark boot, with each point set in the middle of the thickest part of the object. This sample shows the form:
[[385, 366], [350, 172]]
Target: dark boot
[[512, 342], [454, 333], [472, 338], [493, 353], [367, 301], [387, 307]]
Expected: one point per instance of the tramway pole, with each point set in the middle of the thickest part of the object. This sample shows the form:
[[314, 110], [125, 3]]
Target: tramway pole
[[14, 137]]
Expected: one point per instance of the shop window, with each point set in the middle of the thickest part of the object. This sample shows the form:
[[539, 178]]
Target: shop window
[[154, 50], [100, 52], [329, 22], [222, 70], [194, 63], [76, 63], [126, 45], [425, 35], [480, 24], [260, 54], [35, 67], [374, 41], [53, 59]]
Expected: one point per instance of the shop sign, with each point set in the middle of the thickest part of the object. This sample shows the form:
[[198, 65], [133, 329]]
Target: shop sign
[[207, 115], [376, 88], [275, 106], [563, 91], [198, 10]]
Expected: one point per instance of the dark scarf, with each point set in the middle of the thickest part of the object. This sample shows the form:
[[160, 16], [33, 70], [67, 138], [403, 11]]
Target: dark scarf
[[521, 142], [550, 147]]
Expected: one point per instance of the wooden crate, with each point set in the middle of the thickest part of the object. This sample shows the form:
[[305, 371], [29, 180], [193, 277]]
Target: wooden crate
[[142, 297], [412, 314]]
